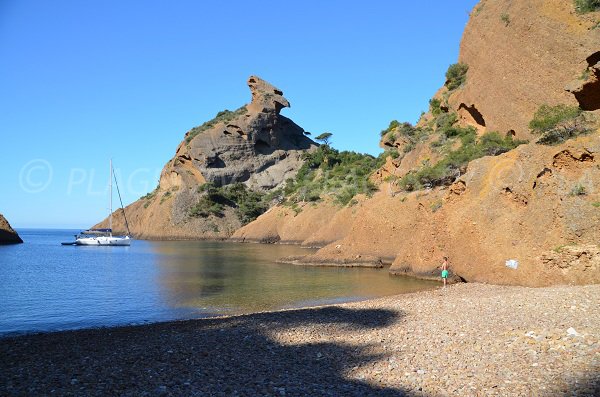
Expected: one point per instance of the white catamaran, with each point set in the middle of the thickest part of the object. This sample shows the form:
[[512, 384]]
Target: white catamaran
[[104, 237]]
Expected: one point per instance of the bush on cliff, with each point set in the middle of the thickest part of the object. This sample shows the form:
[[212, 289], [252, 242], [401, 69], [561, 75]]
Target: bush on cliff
[[247, 203], [445, 171], [405, 130], [456, 75], [393, 125], [583, 6], [327, 171], [223, 116], [556, 124], [435, 106]]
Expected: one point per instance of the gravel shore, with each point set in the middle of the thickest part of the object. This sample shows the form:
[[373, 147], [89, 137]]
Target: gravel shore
[[464, 340]]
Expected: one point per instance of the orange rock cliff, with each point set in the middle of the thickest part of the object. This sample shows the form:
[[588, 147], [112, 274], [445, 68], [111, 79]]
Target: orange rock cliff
[[522, 205]]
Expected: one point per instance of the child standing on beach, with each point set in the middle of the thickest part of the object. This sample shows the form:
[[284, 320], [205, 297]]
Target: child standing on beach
[[445, 270]]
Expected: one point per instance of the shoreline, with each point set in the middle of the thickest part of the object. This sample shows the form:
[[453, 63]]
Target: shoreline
[[352, 300], [466, 339]]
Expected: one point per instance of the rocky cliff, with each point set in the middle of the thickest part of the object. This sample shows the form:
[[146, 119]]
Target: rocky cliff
[[254, 146], [538, 205], [521, 54], [7, 233]]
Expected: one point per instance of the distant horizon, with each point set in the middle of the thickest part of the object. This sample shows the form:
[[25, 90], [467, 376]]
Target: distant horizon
[[93, 81]]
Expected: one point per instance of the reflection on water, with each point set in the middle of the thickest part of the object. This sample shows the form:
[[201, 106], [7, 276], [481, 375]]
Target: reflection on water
[[46, 286], [240, 278]]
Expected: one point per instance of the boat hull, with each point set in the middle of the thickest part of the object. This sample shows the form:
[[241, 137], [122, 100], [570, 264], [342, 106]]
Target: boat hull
[[104, 241]]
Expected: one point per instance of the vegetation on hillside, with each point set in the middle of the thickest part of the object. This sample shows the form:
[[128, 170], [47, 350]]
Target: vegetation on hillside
[[326, 172], [556, 124], [148, 197], [223, 116], [445, 171], [393, 125], [583, 6], [246, 203], [456, 75], [435, 106], [329, 172], [457, 146]]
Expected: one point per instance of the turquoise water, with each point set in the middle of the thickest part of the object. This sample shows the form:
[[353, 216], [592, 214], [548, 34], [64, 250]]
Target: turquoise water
[[49, 287]]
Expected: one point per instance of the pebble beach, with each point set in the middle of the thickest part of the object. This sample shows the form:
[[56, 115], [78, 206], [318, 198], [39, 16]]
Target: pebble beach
[[463, 340]]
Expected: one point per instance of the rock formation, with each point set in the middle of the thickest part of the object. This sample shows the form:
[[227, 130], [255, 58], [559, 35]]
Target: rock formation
[[7, 233], [522, 54], [537, 205], [254, 145], [586, 88], [523, 205]]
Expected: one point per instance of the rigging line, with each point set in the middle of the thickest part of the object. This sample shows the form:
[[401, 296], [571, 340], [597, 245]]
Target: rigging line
[[122, 208]]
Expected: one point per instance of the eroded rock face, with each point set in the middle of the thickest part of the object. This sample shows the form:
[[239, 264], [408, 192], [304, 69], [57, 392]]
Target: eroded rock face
[[524, 205], [578, 262], [586, 88], [254, 145], [522, 54], [7, 233]]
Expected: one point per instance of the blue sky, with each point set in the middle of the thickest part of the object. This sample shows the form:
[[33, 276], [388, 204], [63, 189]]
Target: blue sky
[[84, 81]]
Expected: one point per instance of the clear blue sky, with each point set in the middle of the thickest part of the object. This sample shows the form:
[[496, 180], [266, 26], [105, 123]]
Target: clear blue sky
[[84, 81]]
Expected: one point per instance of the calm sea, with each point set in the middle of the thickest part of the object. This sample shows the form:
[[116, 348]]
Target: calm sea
[[48, 287]]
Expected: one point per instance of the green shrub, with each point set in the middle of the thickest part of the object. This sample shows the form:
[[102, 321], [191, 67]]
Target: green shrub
[[557, 123], [434, 106], [408, 147], [223, 116], [150, 195], [456, 75], [578, 190], [247, 204], [585, 75], [444, 121], [165, 197], [393, 153], [596, 204], [327, 171], [457, 131], [206, 207], [493, 144], [504, 17], [452, 166], [408, 130], [393, 125], [583, 6], [391, 138], [548, 117]]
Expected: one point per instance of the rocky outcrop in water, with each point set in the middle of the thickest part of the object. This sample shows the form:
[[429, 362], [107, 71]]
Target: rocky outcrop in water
[[7, 233]]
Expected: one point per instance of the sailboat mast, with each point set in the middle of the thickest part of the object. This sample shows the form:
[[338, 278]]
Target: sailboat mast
[[110, 194]]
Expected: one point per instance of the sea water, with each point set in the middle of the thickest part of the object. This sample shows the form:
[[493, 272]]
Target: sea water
[[45, 286]]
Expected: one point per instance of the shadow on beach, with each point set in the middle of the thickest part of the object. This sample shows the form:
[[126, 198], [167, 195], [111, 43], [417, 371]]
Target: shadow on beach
[[232, 356]]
